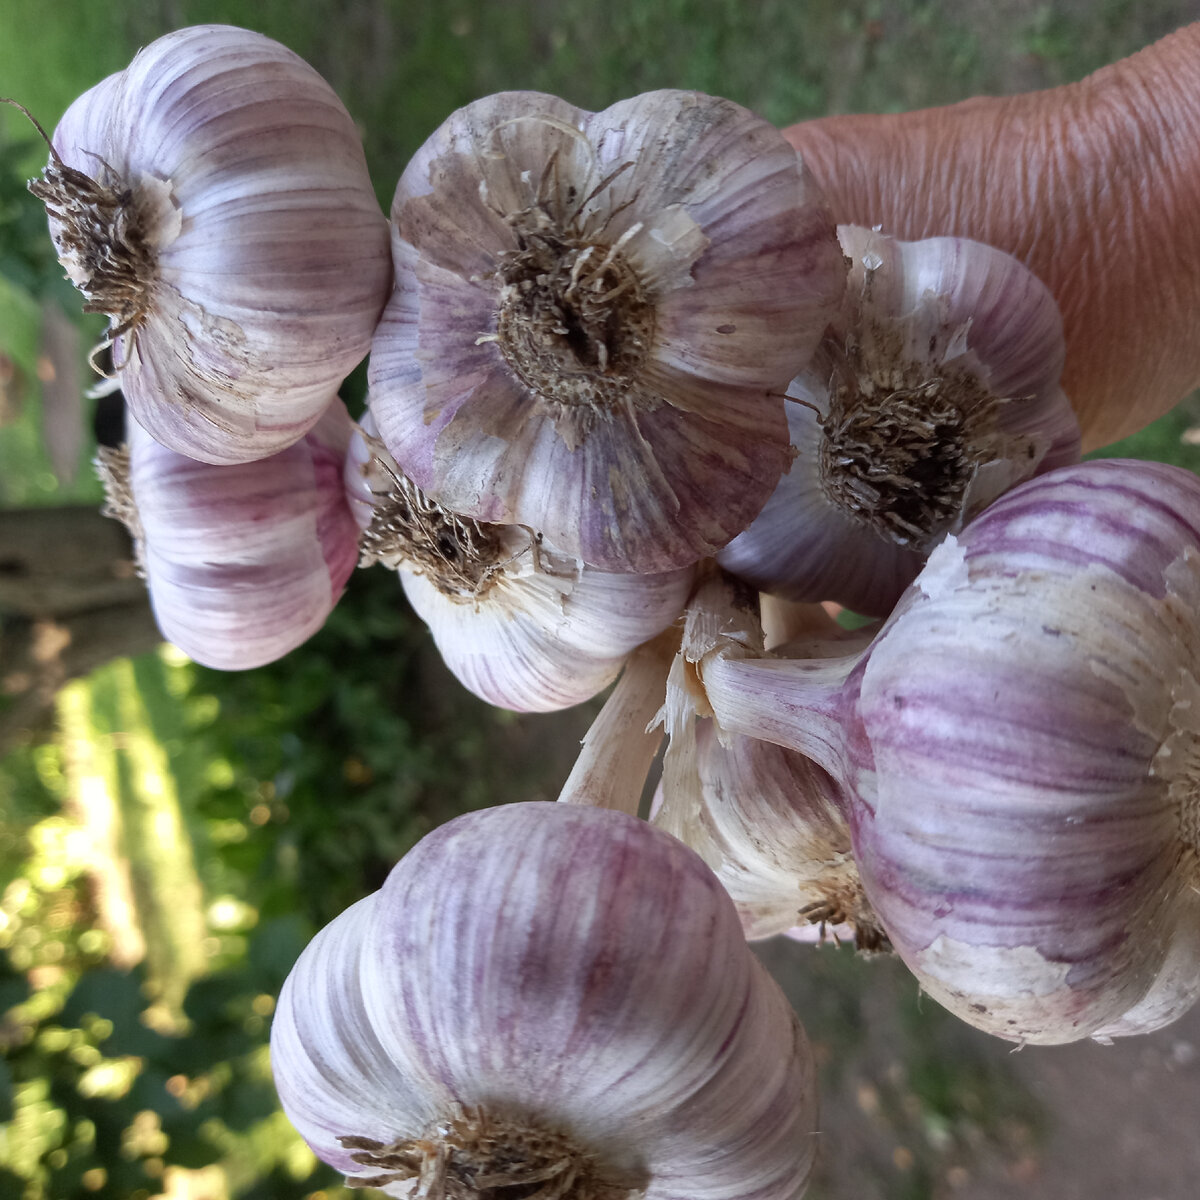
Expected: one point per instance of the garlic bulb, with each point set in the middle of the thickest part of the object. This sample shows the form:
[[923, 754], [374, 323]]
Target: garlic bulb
[[771, 826], [213, 200], [768, 821], [520, 625], [1019, 751], [595, 316], [935, 391], [243, 562], [553, 1001]]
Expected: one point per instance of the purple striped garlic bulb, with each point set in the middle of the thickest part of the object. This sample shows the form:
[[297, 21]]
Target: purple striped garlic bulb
[[242, 562], [1019, 750], [935, 391], [551, 1000], [595, 317], [213, 200], [518, 623]]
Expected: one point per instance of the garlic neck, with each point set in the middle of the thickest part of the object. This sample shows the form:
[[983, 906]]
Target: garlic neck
[[478, 1156], [798, 704], [619, 748]]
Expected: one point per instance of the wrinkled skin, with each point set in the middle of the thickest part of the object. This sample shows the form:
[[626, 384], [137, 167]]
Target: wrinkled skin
[[1095, 186]]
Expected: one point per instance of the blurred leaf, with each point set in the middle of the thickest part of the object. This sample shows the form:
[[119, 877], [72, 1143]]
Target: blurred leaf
[[14, 987], [6, 1093], [274, 948], [191, 1150], [247, 1102], [117, 997], [10, 1184]]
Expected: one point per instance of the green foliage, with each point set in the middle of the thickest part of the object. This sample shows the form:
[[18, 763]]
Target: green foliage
[[26, 254], [105, 1097], [325, 763]]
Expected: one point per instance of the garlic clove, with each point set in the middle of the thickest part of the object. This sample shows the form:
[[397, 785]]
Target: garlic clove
[[335, 1063], [520, 624], [231, 234], [935, 392], [964, 304], [754, 297], [242, 562], [574, 982], [1176, 986], [539, 643], [591, 339]]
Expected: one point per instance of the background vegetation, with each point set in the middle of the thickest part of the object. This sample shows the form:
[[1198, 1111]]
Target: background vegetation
[[170, 837]]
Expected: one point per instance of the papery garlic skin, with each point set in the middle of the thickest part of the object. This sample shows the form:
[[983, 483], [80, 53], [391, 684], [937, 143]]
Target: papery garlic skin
[[562, 973], [245, 562], [242, 254], [595, 316], [1020, 747], [539, 642], [519, 624], [775, 823], [935, 391]]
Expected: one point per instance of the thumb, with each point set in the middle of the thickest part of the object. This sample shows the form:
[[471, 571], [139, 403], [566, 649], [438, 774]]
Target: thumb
[[1095, 186]]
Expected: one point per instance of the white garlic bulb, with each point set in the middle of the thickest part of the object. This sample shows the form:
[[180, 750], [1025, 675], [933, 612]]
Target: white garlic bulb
[[770, 822], [520, 624], [935, 391], [595, 317], [1018, 750], [549, 999], [213, 200], [243, 562]]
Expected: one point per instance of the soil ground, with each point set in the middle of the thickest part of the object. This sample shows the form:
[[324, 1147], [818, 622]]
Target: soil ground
[[916, 1105]]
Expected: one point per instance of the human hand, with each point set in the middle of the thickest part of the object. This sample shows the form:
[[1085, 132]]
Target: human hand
[[1095, 186]]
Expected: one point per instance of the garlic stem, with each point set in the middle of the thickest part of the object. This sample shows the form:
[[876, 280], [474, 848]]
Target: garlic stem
[[620, 747], [803, 705]]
